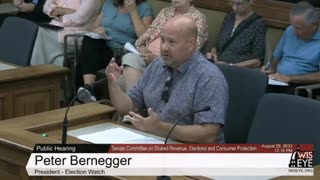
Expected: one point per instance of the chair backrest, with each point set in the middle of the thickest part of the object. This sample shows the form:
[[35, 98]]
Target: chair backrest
[[246, 87], [17, 38], [283, 118]]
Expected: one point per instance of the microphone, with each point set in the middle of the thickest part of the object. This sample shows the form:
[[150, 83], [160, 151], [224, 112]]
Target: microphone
[[65, 120], [207, 108], [101, 81]]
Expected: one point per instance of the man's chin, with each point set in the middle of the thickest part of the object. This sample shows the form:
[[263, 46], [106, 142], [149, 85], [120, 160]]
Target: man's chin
[[305, 38], [167, 61]]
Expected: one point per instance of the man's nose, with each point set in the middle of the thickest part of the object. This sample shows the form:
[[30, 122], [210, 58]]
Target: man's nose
[[235, 8], [164, 46]]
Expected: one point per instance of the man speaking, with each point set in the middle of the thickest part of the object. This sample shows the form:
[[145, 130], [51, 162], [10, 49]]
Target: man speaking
[[173, 86]]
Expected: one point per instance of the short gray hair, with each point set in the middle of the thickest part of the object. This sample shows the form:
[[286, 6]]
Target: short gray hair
[[304, 8]]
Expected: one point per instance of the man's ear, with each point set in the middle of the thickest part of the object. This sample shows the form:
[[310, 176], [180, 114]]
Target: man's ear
[[315, 26], [192, 42]]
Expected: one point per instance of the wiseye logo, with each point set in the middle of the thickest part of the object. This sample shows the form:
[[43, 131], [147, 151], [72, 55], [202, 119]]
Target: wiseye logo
[[301, 159]]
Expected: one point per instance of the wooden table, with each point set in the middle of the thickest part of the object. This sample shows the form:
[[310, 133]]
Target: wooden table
[[29, 90], [19, 135], [7, 66]]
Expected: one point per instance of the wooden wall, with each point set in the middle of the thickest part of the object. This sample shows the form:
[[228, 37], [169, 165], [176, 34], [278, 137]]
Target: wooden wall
[[276, 13], [5, 1]]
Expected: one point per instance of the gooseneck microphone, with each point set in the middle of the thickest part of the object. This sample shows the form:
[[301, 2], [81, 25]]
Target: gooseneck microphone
[[207, 108], [65, 120]]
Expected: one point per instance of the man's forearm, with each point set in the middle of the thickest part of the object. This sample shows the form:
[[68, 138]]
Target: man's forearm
[[207, 133], [251, 63], [17, 2], [306, 79], [120, 100], [139, 26]]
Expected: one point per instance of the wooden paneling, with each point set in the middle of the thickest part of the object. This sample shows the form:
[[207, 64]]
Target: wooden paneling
[[276, 13], [4, 101], [29, 90], [15, 149], [35, 100], [5, 1]]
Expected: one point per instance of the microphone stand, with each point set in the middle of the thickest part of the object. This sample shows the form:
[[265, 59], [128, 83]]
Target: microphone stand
[[65, 120], [163, 178], [207, 108]]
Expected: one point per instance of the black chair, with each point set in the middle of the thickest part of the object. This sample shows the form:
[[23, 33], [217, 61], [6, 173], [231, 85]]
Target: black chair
[[282, 118], [246, 87], [17, 38]]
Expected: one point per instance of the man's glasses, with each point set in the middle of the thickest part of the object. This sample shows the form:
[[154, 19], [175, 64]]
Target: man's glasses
[[238, 3], [166, 94]]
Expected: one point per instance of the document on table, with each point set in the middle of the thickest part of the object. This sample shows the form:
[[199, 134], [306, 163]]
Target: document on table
[[114, 134], [277, 83], [6, 66]]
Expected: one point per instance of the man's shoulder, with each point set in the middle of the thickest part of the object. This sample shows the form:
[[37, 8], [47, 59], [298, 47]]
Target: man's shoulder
[[156, 64], [207, 68], [289, 30], [210, 76], [317, 35]]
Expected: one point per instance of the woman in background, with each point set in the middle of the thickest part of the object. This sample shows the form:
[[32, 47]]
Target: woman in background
[[31, 10], [28, 9], [123, 21], [71, 16], [149, 43], [241, 41]]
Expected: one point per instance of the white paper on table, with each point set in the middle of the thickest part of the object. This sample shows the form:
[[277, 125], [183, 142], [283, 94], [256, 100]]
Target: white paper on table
[[6, 67], [128, 46], [118, 136], [277, 83]]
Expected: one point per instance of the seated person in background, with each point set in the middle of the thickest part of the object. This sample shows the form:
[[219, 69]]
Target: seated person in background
[[297, 56], [32, 10], [72, 16], [148, 44], [29, 9], [179, 82], [241, 41], [121, 20]]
